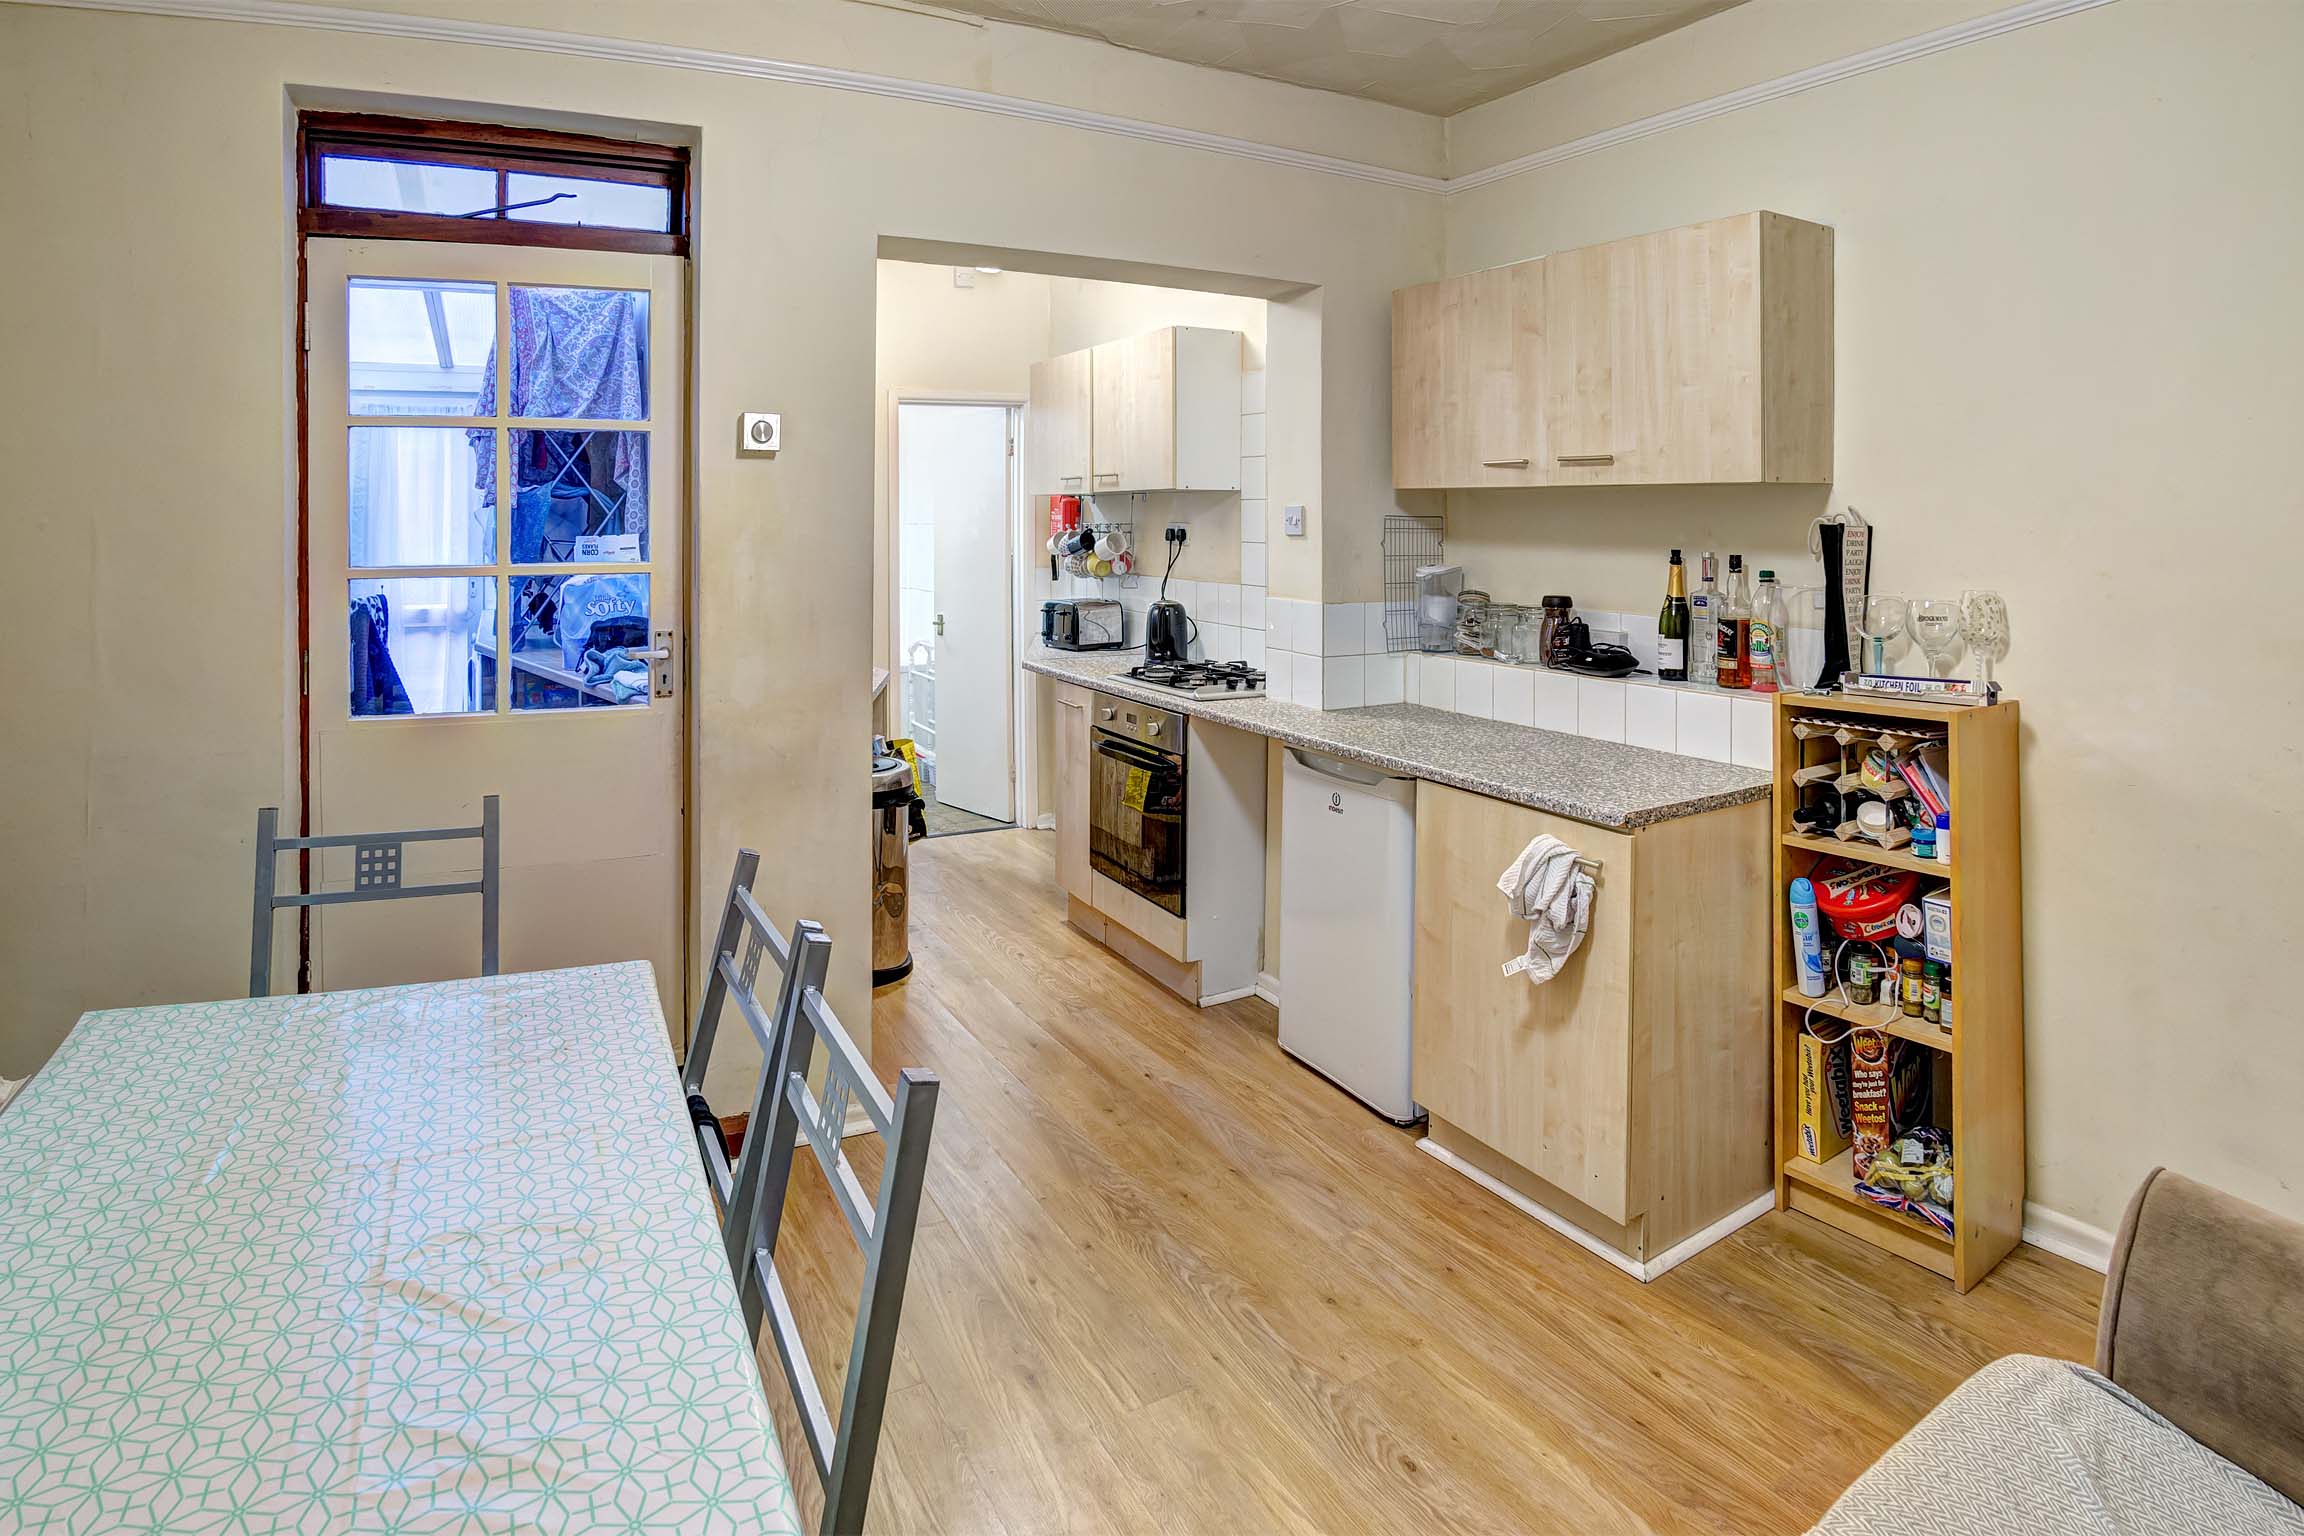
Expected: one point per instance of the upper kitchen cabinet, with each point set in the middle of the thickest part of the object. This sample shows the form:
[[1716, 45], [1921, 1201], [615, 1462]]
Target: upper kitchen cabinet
[[1056, 439], [1701, 355], [1467, 380], [1166, 413]]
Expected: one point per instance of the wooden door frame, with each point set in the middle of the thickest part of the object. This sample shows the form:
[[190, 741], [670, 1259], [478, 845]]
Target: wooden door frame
[[681, 437], [1022, 779]]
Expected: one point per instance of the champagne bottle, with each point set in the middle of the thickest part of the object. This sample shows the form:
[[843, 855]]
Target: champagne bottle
[[1735, 623], [1672, 625]]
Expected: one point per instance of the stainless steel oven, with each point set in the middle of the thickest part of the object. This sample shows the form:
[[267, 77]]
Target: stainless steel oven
[[1136, 799]]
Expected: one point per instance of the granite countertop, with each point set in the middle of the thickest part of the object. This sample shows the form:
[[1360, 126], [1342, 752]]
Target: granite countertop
[[1604, 783]]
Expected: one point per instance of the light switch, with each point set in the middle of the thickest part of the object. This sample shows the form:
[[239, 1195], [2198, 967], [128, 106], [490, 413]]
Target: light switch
[[1292, 521], [760, 432]]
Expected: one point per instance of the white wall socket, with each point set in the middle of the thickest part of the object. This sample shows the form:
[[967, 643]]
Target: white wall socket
[[759, 432], [1292, 521]]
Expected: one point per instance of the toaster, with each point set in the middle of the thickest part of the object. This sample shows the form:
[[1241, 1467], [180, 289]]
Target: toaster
[[1081, 624]]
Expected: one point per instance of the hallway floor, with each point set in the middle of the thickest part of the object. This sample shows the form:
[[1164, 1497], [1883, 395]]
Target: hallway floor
[[1169, 1280]]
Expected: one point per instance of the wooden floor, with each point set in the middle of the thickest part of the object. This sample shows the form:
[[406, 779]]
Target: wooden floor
[[1168, 1280]]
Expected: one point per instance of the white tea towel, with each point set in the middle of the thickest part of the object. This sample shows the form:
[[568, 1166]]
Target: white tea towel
[[1550, 891]]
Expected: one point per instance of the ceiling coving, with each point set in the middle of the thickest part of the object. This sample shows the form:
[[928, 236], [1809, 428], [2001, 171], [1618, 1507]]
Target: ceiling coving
[[1437, 56]]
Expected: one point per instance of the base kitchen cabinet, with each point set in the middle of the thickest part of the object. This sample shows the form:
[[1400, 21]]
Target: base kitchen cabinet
[[1626, 1100]]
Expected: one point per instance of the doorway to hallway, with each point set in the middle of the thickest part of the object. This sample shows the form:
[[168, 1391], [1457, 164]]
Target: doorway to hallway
[[955, 489]]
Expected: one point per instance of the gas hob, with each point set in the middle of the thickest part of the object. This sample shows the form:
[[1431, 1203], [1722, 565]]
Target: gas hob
[[1200, 679]]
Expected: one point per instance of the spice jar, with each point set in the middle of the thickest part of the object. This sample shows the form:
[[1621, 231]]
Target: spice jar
[[1912, 986], [1931, 992], [1863, 980]]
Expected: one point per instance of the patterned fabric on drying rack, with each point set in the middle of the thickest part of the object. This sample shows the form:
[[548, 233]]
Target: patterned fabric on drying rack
[[581, 354]]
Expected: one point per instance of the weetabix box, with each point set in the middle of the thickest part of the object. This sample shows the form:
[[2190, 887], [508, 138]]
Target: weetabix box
[[1820, 1137]]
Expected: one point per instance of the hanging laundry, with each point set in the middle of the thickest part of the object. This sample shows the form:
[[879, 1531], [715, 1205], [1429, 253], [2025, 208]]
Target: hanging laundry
[[1547, 888], [376, 685]]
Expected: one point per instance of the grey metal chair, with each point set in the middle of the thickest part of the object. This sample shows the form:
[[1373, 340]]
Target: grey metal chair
[[376, 861], [752, 1195]]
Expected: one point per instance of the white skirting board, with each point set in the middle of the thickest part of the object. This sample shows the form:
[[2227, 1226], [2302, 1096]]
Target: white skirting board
[[1268, 987], [2067, 1238], [1233, 996], [1686, 1248], [1047, 822]]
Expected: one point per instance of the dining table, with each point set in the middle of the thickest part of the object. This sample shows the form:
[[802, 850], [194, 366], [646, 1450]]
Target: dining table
[[421, 1258]]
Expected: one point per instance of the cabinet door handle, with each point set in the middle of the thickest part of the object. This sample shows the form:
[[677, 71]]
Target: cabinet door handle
[[1071, 479], [1587, 458], [1503, 463], [1100, 479]]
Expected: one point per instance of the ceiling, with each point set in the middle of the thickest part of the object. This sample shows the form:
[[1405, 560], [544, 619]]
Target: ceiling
[[1436, 56]]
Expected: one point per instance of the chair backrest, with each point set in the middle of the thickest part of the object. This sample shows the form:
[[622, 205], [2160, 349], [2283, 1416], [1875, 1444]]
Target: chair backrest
[[375, 877]]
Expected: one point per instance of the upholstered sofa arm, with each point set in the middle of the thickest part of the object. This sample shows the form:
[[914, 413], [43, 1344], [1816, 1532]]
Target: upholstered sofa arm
[[2203, 1319]]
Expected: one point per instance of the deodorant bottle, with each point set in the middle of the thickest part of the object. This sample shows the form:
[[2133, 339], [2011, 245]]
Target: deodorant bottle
[[1807, 943]]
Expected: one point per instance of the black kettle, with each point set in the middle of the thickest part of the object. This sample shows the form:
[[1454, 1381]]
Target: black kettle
[[1167, 632]]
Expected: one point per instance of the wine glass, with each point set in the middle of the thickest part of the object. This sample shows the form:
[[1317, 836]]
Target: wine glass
[[1985, 616], [1936, 630], [1884, 622]]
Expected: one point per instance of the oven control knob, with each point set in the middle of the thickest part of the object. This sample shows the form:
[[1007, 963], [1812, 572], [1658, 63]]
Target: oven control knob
[[1104, 712], [1151, 727]]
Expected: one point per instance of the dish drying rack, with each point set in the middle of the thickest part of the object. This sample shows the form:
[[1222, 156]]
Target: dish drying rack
[[1410, 540]]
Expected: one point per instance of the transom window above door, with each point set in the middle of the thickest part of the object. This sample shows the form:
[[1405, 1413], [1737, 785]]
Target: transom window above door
[[486, 184]]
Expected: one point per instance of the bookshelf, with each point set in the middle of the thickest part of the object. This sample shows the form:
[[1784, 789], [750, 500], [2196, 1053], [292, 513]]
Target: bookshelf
[[1981, 1058]]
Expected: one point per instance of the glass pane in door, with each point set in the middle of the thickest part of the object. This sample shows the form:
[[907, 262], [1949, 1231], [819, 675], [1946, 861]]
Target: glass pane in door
[[422, 645], [579, 497], [414, 497], [580, 354], [416, 347], [574, 639]]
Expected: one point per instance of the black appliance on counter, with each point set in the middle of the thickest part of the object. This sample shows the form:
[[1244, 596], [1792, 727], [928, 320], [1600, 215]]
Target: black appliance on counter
[[1167, 631], [1136, 799], [1082, 624]]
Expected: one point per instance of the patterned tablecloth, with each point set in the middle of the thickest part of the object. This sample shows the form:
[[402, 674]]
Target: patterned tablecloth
[[434, 1258]]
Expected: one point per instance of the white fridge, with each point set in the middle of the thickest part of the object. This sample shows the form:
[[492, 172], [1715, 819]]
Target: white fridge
[[1348, 926]]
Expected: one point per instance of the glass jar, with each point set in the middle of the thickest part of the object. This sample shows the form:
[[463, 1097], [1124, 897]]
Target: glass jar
[[1511, 625], [1552, 637], [1473, 637]]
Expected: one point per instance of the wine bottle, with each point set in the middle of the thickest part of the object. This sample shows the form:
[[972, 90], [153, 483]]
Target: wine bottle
[[1735, 623], [1672, 625]]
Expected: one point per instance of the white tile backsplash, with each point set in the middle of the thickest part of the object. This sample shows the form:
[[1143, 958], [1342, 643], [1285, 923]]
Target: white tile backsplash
[[1220, 602], [1555, 700], [1252, 606], [1476, 689], [1704, 725], [1372, 628], [1436, 682], [1220, 642], [1252, 392], [1253, 569], [1305, 686], [1252, 478], [1252, 434], [1751, 729], [1252, 645], [1651, 718], [1343, 682], [1341, 629], [1515, 695], [1386, 679], [1640, 638], [1600, 708], [1279, 672], [1252, 520]]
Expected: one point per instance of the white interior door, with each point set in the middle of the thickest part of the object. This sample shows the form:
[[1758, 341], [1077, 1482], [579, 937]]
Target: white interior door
[[497, 511], [953, 466]]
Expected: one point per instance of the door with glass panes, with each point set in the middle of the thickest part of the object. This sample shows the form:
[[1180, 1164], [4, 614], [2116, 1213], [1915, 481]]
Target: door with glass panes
[[496, 583]]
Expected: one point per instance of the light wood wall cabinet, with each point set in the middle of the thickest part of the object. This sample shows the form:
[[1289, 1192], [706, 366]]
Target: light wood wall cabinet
[[1467, 380], [1628, 1096], [1060, 407], [1700, 355], [1157, 412]]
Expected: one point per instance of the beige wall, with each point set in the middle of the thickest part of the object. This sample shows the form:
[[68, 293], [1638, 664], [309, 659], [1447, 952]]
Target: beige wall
[[148, 452], [2068, 327]]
